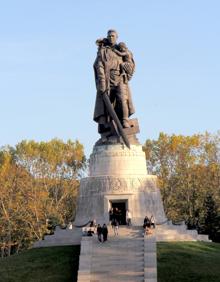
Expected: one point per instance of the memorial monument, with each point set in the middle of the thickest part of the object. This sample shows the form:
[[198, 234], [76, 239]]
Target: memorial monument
[[118, 175]]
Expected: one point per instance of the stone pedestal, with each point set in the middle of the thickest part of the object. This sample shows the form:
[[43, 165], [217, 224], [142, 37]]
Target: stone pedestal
[[117, 174]]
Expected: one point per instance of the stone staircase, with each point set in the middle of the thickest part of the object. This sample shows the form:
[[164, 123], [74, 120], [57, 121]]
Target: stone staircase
[[129, 256], [170, 232], [119, 259]]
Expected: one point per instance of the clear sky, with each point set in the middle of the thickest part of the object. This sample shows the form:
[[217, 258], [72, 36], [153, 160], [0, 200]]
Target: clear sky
[[47, 49]]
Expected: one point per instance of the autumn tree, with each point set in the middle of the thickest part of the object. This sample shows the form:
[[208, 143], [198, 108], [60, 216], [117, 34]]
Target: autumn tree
[[188, 168], [22, 214], [57, 166], [38, 182]]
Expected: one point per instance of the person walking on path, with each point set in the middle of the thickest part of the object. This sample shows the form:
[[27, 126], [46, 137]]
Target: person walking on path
[[99, 232], [128, 217], [104, 232], [115, 225]]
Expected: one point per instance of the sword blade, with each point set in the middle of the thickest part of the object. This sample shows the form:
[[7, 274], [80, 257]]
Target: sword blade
[[114, 116]]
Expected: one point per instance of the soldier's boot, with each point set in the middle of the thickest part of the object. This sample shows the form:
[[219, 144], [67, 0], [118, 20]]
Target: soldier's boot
[[125, 120]]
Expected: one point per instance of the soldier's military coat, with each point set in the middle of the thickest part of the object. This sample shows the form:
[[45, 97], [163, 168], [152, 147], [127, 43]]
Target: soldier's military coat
[[108, 76]]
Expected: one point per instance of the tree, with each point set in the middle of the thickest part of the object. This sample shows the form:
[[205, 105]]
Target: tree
[[188, 167], [211, 221], [57, 166], [38, 182]]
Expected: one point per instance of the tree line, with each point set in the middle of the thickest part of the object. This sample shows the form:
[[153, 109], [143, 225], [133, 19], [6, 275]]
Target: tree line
[[39, 184], [188, 170], [38, 188]]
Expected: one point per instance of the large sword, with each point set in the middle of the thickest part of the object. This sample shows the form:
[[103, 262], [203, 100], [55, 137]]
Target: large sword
[[113, 115]]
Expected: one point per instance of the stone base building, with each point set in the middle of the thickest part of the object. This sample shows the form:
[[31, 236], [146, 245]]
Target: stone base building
[[118, 179]]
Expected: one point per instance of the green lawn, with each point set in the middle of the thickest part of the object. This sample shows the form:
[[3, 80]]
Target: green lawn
[[179, 262], [191, 261], [57, 264]]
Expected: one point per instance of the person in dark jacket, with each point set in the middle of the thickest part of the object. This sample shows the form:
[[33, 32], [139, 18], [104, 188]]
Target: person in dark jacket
[[110, 215], [99, 232], [104, 232]]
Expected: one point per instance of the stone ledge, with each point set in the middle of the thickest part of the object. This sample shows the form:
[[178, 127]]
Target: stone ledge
[[85, 259], [150, 258]]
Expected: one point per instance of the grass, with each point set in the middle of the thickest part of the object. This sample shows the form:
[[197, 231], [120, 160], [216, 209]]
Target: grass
[[188, 262], [177, 261], [54, 264]]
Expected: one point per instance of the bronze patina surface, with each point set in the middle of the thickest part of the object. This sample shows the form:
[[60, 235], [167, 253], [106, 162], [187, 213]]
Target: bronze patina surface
[[114, 67]]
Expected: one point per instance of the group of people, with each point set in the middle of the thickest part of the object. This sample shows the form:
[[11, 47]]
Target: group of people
[[149, 223], [115, 216], [115, 219], [101, 231]]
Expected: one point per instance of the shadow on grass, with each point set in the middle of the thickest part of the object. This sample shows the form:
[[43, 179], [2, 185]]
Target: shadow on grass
[[188, 261], [54, 264]]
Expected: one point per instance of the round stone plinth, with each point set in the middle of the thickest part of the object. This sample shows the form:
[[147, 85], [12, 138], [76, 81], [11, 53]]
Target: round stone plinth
[[117, 160]]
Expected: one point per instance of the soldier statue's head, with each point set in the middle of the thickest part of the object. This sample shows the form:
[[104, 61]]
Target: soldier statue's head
[[112, 37]]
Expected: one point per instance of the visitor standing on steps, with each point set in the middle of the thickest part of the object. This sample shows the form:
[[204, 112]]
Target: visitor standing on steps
[[152, 221], [110, 215], [99, 232], [128, 217], [147, 225], [146, 222], [115, 226], [104, 232], [117, 215]]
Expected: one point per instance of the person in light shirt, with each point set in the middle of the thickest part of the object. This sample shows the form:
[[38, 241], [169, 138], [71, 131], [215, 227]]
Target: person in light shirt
[[128, 217]]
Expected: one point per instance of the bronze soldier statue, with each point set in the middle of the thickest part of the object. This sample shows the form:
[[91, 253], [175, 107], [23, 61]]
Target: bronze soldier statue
[[114, 67]]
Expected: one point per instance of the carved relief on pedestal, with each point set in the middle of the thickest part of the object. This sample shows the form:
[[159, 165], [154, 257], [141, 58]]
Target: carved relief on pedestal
[[107, 184], [144, 196]]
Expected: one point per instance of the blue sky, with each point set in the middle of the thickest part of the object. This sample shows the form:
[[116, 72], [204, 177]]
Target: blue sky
[[47, 49]]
